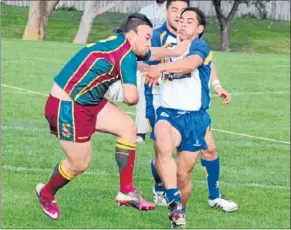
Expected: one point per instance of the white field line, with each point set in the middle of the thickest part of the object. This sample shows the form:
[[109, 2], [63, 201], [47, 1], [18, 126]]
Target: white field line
[[102, 173], [233, 94], [250, 136], [260, 93], [34, 92], [218, 130]]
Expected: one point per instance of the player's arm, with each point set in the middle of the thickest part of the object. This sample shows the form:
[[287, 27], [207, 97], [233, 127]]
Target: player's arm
[[158, 53], [141, 66], [198, 52], [219, 90], [186, 65], [128, 69], [130, 94]]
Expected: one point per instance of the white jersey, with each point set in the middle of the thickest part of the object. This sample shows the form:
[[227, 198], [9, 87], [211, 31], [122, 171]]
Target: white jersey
[[155, 13], [189, 92], [162, 36]]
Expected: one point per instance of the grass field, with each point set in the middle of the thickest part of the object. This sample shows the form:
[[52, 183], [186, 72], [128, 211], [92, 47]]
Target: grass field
[[247, 34], [254, 172]]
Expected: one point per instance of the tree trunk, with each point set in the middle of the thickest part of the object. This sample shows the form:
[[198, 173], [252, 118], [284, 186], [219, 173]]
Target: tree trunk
[[224, 32], [225, 22], [31, 31], [87, 20], [46, 13], [39, 12]]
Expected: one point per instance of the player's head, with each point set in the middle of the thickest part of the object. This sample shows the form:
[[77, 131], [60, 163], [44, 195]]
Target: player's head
[[160, 1], [192, 23], [174, 10], [138, 29]]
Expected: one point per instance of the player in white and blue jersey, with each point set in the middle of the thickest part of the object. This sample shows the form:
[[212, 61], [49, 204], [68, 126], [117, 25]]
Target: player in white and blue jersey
[[165, 33], [182, 120], [156, 13], [166, 36]]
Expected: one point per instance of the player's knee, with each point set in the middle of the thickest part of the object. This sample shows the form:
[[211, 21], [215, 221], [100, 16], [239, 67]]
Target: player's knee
[[183, 178], [129, 131], [211, 150], [164, 149], [80, 166], [164, 153], [210, 153]]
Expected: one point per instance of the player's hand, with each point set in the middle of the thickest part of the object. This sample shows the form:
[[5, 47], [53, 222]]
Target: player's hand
[[152, 75], [221, 92], [142, 66], [181, 47]]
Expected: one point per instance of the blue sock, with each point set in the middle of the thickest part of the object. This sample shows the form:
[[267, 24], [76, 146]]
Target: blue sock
[[160, 187], [173, 194], [184, 209], [212, 168], [155, 173]]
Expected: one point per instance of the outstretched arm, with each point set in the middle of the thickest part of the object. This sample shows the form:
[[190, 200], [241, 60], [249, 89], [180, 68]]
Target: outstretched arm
[[216, 85], [158, 53]]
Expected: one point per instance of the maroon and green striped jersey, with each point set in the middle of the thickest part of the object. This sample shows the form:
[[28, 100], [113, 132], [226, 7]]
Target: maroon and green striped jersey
[[88, 75]]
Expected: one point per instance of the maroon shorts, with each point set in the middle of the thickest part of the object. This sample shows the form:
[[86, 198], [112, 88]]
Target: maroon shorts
[[71, 121]]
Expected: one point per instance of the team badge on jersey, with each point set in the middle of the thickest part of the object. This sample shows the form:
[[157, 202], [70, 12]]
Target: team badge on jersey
[[66, 130]]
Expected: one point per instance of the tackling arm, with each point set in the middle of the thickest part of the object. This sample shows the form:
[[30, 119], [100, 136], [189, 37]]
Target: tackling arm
[[158, 53]]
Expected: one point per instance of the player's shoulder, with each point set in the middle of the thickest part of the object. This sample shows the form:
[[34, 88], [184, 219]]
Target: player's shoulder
[[200, 43], [129, 57], [160, 30], [108, 43]]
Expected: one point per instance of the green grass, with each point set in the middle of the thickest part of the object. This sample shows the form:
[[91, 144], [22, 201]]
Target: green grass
[[255, 173], [247, 35]]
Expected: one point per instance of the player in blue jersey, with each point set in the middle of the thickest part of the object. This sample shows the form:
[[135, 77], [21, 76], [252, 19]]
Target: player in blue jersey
[[183, 122], [76, 108], [165, 36]]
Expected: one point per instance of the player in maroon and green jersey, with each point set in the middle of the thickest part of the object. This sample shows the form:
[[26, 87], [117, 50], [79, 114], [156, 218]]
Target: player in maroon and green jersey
[[76, 108]]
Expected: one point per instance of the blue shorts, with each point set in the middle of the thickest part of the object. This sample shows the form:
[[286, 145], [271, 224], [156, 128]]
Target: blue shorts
[[152, 103], [193, 126]]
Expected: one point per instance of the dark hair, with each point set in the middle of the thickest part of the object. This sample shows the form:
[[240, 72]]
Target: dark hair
[[160, 1], [132, 22], [170, 1], [200, 17]]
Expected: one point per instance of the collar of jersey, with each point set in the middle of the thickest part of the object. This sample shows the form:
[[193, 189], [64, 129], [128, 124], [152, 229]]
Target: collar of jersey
[[168, 31]]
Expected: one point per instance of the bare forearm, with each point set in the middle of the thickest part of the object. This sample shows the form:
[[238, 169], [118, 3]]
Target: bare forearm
[[176, 67], [142, 66], [186, 65], [158, 53], [213, 72]]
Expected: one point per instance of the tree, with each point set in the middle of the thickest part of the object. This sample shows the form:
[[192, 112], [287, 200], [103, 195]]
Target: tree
[[225, 21], [38, 15], [91, 11]]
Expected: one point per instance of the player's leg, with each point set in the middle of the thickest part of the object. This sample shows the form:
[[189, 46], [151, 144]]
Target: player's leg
[[167, 138], [113, 120], [159, 195], [211, 163], [186, 161], [77, 161], [140, 117], [63, 119], [194, 125]]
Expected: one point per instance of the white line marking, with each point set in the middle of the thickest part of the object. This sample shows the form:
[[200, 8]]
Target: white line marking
[[38, 93], [25, 90], [102, 173], [255, 137], [259, 93], [233, 94], [218, 130]]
